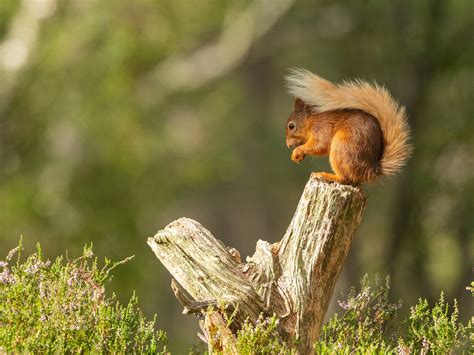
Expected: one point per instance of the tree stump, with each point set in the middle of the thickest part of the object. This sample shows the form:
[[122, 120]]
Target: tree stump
[[293, 279]]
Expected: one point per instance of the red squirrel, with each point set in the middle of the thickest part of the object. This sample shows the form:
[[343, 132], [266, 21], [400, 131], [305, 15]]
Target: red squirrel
[[360, 126]]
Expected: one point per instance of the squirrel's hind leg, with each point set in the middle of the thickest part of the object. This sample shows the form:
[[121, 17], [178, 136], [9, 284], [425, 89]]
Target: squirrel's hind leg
[[330, 177], [335, 178]]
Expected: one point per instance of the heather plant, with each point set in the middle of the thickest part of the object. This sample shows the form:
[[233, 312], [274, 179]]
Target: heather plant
[[365, 324], [436, 329], [261, 338], [369, 324], [62, 306]]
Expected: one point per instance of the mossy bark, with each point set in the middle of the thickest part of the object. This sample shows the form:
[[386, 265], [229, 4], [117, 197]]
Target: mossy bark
[[293, 279]]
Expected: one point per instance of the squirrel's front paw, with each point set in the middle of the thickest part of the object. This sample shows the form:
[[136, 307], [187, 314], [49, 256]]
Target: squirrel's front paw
[[297, 156]]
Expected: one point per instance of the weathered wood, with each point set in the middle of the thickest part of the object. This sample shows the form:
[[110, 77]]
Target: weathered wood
[[205, 268], [293, 279], [313, 251]]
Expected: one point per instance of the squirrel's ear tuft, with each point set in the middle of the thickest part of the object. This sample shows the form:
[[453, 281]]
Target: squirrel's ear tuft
[[299, 105]]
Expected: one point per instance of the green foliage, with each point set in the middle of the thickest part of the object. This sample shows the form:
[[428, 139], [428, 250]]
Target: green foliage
[[62, 307], [364, 324], [369, 325], [435, 329], [261, 338]]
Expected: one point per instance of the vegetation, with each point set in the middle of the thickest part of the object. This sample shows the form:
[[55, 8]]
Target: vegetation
[[261, 338], [364, 322], [62, 307], [369, 325]]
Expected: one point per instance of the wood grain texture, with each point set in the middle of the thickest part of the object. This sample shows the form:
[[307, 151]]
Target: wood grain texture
[[293, 279]]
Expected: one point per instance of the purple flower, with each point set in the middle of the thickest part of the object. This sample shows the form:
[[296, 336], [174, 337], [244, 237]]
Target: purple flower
[[98, 294], [12, 253], [6, 278], [425, 345], [32, 269], [343, 304]]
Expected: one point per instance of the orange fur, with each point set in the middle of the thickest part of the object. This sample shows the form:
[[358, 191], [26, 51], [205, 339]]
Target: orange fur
[[360, 127]]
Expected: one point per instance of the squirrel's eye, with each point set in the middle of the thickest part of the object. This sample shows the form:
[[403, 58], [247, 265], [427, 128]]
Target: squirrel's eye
[[291, 126]]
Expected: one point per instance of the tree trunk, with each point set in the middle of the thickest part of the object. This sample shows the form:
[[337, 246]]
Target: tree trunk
[[293, 279]]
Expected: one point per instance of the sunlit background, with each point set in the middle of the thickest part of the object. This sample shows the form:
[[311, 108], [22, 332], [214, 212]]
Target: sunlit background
[[119, 116]]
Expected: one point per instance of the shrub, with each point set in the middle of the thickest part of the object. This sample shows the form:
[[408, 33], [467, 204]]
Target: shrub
[[261, 338], [435, 329], [62, 307], [365, 324], [369, 325]]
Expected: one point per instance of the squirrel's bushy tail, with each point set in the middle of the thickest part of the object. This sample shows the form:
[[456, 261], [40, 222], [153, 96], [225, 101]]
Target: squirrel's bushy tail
[[373, 99]]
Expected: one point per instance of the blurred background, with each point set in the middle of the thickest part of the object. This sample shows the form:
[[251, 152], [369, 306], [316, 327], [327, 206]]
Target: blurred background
[[119, 116]]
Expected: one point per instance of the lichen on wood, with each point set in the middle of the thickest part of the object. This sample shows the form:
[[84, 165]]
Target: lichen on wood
[[293, 279]]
